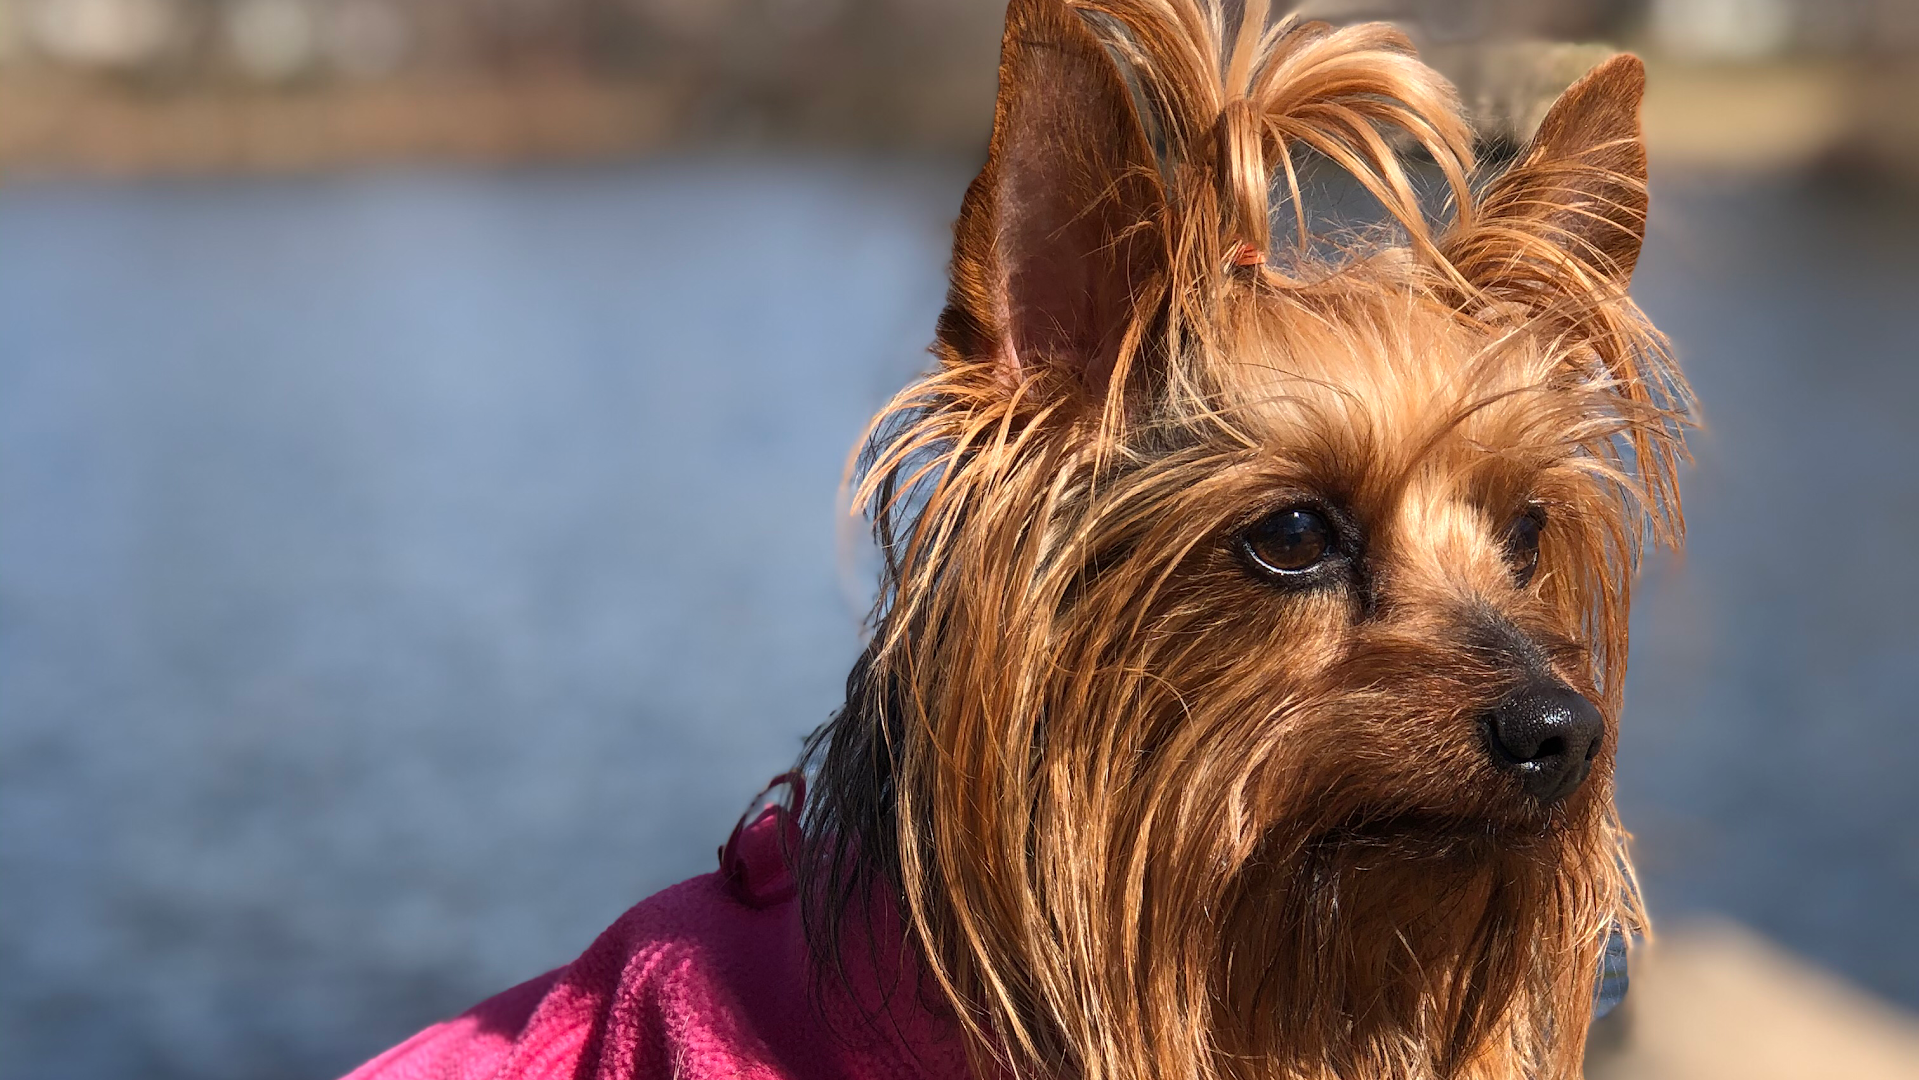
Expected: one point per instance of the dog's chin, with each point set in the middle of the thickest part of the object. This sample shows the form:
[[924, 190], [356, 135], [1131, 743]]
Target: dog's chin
[[1404, 863], [1420, 924]]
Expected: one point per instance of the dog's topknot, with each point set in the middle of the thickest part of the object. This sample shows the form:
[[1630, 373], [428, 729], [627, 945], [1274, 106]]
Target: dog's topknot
[[1164, 127], [1222, 124]]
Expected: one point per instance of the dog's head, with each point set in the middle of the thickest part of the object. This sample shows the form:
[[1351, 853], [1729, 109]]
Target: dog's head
[[1244, 689]]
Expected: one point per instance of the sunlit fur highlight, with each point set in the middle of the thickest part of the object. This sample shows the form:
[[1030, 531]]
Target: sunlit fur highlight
[[1144, 816]]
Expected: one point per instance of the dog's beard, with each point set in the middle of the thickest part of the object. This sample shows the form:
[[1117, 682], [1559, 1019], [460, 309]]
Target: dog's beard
[[1423, 952]]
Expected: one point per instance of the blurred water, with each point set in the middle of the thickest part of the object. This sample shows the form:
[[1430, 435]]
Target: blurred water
[[1771, 759], [400, 575]]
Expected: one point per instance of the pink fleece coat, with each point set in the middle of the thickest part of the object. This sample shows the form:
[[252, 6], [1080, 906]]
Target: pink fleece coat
[[709, 979]]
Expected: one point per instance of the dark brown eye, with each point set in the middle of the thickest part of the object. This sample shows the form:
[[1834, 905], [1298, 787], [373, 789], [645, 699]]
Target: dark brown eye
[[1522, 546], [1288, 541]]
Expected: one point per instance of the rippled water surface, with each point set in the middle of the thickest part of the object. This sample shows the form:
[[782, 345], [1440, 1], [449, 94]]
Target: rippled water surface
[[402, 574]]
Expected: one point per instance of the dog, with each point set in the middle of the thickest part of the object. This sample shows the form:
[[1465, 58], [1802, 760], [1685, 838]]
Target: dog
[[1243, 689]]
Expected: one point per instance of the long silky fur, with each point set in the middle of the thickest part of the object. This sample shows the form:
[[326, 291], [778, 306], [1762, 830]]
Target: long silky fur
[[1141, 820]]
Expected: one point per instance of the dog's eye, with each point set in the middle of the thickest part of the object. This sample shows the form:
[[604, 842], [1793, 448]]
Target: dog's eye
[[1522, 546], [1289, 541]]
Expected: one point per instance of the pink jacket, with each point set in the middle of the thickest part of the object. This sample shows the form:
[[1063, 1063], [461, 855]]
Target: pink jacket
[[709, 979]]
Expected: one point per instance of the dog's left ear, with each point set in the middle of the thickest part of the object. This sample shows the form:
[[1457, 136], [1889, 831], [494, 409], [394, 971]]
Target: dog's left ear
[[1573, 204], [1057, 241]]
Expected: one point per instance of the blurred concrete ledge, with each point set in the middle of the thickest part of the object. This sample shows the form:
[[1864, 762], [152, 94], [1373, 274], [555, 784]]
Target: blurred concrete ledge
[[1714, 1001]]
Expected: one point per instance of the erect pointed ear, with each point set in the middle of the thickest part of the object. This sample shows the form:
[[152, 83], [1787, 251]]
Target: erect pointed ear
[[1575, 198], [1057, 241]]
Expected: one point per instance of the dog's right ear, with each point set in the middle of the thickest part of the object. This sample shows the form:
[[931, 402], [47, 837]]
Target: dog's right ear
[[1058, 241]]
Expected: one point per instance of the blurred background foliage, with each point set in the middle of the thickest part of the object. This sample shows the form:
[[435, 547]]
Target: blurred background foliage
[[420, 424]]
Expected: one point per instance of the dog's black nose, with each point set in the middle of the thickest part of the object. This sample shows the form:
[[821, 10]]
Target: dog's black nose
[[1548, 735]]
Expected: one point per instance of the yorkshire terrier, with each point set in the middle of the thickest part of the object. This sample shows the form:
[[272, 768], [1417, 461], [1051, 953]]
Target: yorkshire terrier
[[1244, 686]]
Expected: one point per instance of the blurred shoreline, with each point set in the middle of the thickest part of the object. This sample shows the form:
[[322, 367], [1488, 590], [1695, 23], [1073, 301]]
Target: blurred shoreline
[[194, 87]]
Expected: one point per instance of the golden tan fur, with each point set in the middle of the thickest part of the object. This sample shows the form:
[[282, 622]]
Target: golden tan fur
[[1144, 815]]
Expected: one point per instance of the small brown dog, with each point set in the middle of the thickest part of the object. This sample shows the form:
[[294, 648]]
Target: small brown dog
[[1245, 685], [1246, 674]]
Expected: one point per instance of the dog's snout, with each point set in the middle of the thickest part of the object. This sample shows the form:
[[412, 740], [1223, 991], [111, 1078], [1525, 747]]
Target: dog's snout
[[1547, 735]]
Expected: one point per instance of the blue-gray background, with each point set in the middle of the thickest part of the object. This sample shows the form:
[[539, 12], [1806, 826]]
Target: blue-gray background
[[403, 572]]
